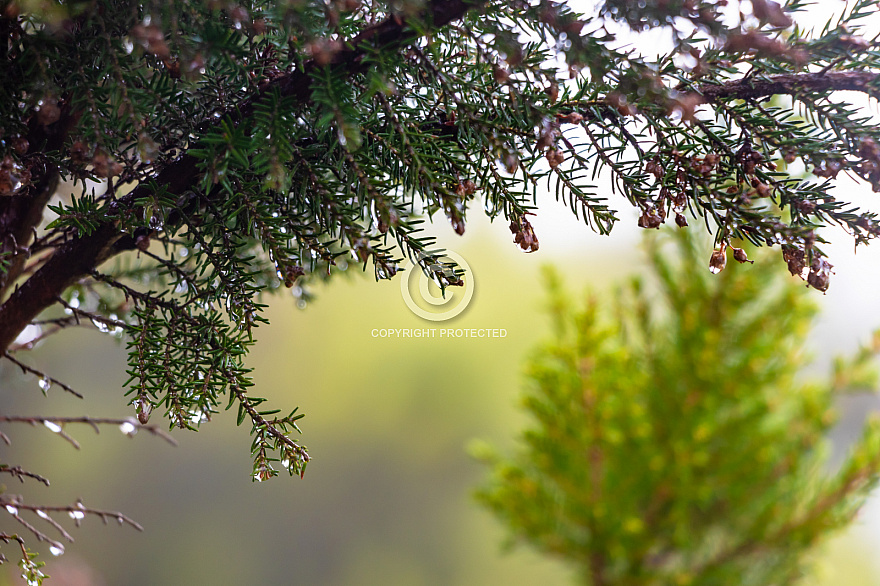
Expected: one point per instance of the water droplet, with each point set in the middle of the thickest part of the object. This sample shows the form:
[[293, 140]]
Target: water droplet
[[45, 384], [12, 510], [128, 428], [102, 327], [42, 514], [301, 304], [52, 426], [264, 473], [198, 416], [128, 46], [28, 335], [56, 549], [77, 515], [183, 252], [718, 260], [16, 182]]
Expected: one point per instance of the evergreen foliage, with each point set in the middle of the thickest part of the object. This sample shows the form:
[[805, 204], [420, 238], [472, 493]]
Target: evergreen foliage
[[162, 165], [673, 440]]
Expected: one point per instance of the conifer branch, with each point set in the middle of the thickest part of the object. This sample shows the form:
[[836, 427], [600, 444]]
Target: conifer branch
[[81, 255]]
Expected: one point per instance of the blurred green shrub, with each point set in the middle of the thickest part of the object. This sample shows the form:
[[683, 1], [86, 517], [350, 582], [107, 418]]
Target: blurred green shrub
[[673, 440]]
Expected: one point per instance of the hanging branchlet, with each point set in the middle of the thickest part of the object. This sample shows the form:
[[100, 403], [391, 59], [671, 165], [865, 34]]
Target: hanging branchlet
[[455, 206]]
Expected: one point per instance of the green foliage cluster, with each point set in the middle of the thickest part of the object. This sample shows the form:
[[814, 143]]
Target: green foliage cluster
[[673, 440]]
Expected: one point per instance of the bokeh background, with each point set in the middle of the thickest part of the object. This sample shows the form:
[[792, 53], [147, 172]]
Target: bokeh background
[[387, 498]]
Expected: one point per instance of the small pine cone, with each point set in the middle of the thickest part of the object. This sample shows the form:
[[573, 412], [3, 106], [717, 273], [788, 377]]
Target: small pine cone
[[555, 158], [740, 255], [794, 257], [651, 218]]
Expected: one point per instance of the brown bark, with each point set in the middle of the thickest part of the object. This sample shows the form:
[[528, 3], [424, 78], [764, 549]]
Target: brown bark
[[20, 214]]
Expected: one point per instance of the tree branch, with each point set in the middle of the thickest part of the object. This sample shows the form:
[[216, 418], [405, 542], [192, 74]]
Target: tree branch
[[792, 84], [81, 255], [751, 88], [70, 261]]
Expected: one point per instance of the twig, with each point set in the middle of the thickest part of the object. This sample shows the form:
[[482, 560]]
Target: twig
[[27, 369], [21, 473], [94, 422], [73, 510]]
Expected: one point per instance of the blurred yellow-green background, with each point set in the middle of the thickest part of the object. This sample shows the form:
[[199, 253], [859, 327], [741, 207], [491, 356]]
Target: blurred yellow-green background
[[387, 497]]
